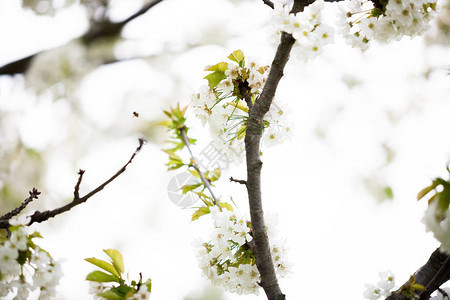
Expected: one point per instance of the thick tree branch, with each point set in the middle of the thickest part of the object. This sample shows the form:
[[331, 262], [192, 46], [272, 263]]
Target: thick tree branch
[[194, 164], [253, 135], [39, 217], [431, 275], [98, 30]]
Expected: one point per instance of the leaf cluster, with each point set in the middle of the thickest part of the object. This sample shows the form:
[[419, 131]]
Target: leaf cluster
[[174, 124], [114, 273], [411, 289], [439, 192]]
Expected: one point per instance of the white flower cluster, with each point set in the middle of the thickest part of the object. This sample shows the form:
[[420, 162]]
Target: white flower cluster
[[15, 254], [437, 220], [227, 259], [383, 287], [363, 21], [223, 108], [306, 27]]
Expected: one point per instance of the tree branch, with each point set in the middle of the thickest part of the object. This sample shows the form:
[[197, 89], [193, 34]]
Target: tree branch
[[269, 3], [238, 181], [39, 217], [98, 30], [243, 90], [110, 29], [431, 275], [194, 164], [34, 193], [253, 135]]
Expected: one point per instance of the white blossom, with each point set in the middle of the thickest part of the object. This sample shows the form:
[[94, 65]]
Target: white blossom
[[387, 281], [360, 22], [437, 221], [372, 292], [8, 260], [306, 27], [220, 259]]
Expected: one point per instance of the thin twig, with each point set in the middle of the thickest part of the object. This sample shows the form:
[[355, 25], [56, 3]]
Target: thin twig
[[39, 217], [269, 3], [34, 193], [194, 164], [238, 180]]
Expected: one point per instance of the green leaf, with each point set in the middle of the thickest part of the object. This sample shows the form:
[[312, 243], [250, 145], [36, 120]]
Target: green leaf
[[425, 191], [215, 78], [220, 67], [388, 192], [226, 205], [195, 173], [111, 295], [166, 123], [100, 276], [237, 56], [124, 289], [215, 174], [167, 113], [174, 167], [116, 258], [188, 188], [200, 212], [148, 283], [417, 286], [103, 265]]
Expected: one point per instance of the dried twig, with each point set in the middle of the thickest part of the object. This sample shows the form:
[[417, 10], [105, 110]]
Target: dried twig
[[39, 217], [34, 193], [238, 180]]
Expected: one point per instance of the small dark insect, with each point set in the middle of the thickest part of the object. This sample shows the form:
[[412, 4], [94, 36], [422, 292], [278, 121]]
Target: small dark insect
[[135, 114]]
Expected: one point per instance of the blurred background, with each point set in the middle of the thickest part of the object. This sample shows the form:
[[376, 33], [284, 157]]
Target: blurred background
[[371, 130]]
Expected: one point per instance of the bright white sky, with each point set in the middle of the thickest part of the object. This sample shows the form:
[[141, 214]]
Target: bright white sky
[[339, 236]]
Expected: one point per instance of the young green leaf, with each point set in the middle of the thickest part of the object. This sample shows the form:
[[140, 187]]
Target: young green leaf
[[215, 78], [200, 212], [215, 174], [426, 190], [195, 173], [226, 205], [100, 276], [188, 188], [237, 56], [103, 265], [116, 258], [220, 67], [111, 295]]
